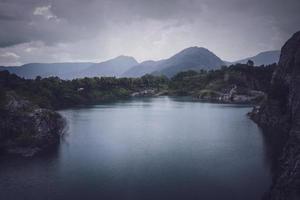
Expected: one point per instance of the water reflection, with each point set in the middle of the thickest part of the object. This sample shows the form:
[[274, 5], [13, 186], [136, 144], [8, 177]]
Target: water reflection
[[149, 148], [274, 141]]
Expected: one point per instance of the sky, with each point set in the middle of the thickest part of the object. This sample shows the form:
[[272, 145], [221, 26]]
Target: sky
[[97, 30]]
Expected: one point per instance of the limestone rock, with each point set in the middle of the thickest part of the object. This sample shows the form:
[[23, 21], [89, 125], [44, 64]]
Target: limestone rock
[[281, 111], [27, 129]]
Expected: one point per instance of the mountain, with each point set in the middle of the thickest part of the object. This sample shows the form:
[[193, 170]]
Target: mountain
[[146, 67], [114, 67], [263, 58], [193, 58], [61, 70]]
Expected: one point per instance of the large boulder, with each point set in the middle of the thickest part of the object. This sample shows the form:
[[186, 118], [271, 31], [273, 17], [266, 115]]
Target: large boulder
[[27, 129]]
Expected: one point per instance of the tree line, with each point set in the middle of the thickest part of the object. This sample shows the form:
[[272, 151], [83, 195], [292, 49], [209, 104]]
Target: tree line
[[55, 93]]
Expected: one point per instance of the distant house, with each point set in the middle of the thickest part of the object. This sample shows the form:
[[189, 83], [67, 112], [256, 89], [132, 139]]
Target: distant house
[[80, 89]]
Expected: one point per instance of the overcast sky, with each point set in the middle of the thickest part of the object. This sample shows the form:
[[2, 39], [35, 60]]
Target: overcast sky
[[96, 30]]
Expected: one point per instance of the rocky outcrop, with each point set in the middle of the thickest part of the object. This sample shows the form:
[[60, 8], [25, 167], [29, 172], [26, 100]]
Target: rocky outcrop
[[27, 129], [281, 111], [233, 94]]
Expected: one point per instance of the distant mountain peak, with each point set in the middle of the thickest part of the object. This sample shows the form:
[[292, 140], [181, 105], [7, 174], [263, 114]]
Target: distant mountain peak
[[123, 57], [194, 49], [191, 58], [112, 67], [262, 58], [270, 51]]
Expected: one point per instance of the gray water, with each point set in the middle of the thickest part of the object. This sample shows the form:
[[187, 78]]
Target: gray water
[[153, 149]]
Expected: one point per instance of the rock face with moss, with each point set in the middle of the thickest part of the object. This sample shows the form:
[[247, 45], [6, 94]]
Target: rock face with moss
[[240, 83], [25, 128], [281, 111]]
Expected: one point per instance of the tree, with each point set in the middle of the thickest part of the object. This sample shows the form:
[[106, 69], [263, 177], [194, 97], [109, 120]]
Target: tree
[[250, 63]]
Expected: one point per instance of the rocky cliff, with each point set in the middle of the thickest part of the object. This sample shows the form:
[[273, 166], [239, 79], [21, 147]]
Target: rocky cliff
[[25, 128], [281, 112]]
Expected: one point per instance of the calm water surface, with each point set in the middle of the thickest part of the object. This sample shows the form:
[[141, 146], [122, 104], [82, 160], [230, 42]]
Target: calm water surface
[[153, 149]]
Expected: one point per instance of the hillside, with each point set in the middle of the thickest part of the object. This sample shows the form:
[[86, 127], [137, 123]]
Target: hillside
[[62, 70], [146, 67], [263, 58], [193, 58], [113, 67]]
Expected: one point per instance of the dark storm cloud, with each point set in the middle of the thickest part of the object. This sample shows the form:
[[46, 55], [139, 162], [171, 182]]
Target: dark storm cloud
[[99, 29], [77, 19], [35, 20]]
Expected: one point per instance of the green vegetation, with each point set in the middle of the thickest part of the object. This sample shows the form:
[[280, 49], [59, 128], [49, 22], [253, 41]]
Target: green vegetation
[[56, 93], [211, 83]]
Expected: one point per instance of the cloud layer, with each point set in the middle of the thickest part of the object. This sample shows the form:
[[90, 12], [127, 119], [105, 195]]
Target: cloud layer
[[95, 30]]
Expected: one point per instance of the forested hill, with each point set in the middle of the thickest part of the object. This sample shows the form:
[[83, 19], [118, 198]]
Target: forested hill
[[53, 92], [56, 93], [238, 83]]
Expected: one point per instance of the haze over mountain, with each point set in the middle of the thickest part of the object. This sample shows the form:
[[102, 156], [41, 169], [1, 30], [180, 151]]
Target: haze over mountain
[[193, 58], [62, 70], [113, 67], [263, 58], [146, 67]]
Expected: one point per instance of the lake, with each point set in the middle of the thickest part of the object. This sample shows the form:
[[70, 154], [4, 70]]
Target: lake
[[148, 148]]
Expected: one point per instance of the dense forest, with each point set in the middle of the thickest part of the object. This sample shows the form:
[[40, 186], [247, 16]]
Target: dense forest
[[55, 93], [242, 76]]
